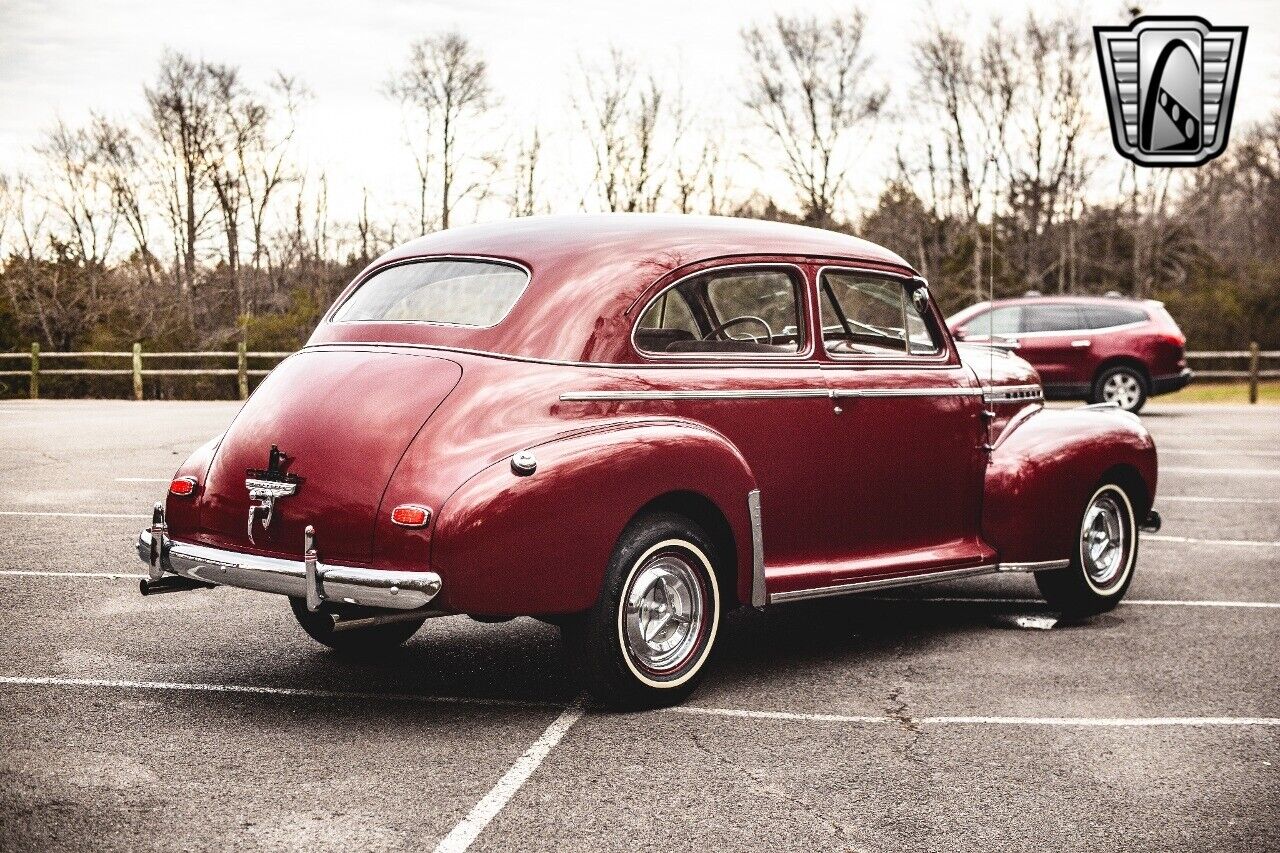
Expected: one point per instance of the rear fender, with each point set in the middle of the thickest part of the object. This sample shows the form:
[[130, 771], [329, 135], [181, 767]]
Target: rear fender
[[1045, 467], [539, 544]]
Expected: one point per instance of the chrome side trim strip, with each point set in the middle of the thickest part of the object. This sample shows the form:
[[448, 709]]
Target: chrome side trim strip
[[766, 394], [907, 392], [759, 597], [881, 583], [755, 394], [1041, 566]]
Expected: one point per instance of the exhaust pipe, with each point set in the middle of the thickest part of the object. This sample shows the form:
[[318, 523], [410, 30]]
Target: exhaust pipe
[[1151, 524], [171, 583], [341, 624]]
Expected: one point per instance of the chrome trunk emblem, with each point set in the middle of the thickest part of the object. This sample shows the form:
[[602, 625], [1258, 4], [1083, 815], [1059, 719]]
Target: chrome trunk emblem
[[267, 485]]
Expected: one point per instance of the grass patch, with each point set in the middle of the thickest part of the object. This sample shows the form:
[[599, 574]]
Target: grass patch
[[1223, 392]]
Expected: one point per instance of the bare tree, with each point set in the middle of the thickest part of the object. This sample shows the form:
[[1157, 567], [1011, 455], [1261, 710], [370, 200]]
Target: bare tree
[[808, 87], [524, 193], [447, 82], [625, 119], [184, 121]]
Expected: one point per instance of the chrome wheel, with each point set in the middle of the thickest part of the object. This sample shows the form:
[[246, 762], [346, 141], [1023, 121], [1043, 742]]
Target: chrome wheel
[[1104, 539], [1122, 388], [664, 610]]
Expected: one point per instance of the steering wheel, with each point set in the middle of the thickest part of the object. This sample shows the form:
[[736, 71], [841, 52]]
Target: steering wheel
[[745, 318]]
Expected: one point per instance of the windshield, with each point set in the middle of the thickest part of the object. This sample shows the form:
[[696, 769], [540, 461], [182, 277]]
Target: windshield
[[453, 292]]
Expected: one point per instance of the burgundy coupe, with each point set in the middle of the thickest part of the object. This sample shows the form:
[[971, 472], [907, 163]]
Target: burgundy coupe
[[1097, 348], [629, 425]]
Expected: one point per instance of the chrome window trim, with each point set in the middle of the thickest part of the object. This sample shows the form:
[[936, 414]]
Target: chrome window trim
[[802, 290], [942, 357], [759, 593], [359, 283]]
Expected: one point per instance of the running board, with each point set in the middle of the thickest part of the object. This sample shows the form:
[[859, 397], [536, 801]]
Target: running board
[[913, 580]]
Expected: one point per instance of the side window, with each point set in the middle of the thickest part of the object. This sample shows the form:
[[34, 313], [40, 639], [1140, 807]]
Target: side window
[[742, 311], [1052, 318], [1006, 320], [866, 315], [1106, 316]]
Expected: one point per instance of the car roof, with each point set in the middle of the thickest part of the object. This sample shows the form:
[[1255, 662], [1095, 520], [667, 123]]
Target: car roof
[[588, 271]]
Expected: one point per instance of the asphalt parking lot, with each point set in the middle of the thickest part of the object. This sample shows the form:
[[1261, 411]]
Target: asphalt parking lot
[[932, 720]]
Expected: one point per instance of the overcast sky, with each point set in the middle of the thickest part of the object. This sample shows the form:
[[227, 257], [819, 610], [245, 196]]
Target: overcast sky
[[60, 58]]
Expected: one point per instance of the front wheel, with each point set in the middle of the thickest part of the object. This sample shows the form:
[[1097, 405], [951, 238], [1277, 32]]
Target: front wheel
[[319, 627], [1124, 386], [645, 641], [1102, 564]]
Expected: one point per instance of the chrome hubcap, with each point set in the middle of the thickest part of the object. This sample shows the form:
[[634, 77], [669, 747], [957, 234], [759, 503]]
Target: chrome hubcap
[[1103, 540], [1122, 389], [663, 613]]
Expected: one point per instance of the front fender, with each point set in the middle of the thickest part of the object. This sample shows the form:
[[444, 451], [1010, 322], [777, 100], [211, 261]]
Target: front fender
[[1045, 467], [540, 544]]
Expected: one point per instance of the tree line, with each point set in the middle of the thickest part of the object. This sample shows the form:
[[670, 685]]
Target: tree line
[[194, 225]]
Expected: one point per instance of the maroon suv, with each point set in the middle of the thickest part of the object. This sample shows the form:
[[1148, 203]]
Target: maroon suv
[[1097, 348]]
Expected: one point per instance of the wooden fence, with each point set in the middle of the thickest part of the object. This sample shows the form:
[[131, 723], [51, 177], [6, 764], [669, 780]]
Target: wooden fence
[[1252, 357], [241, 371]]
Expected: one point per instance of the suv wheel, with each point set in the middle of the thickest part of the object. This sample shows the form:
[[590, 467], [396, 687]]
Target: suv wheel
[[1124, 386]]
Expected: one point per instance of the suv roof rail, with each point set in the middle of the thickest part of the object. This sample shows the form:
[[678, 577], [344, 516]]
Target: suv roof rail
[[1114, 294], [1033, 293]]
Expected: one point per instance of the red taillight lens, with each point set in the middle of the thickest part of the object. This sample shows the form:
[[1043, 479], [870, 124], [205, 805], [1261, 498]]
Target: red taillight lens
[[411, 515], [183, 486]]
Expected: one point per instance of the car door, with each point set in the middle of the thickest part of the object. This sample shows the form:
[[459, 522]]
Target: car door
[[729, 347], [904, 461], [1054, 339]]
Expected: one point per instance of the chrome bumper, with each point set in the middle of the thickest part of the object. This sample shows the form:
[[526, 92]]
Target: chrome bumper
[[307, 578]]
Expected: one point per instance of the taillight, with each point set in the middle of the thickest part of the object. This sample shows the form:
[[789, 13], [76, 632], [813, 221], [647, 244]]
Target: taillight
[[183, 486], [411, 515]]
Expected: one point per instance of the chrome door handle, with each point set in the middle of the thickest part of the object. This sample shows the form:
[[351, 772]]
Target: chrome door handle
[[1081, 343]]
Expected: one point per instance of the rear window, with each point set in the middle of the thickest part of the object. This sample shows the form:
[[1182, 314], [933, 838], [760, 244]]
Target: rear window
[[1105, 316], [451, 292], [1051, 318]]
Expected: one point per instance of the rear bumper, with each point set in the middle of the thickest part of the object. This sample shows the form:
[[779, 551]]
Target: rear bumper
[[1169, 384], [305, 579]]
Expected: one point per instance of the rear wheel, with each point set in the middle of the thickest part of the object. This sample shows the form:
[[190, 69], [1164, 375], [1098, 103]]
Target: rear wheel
[[319, 627], [645, 641], [1102, 565], [1124, 386]]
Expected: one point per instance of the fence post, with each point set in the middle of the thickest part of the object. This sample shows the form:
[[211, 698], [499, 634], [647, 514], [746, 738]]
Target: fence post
[[242, 369], [137, 370], [1253, 372], [35, 371]]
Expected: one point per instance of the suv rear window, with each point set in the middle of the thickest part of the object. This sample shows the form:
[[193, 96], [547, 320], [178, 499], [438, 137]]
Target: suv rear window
[[450, 292], [1106, 316], [1051, 318]]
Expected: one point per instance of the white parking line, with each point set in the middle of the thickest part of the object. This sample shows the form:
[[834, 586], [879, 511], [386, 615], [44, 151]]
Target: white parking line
[[470, 827], [1220, 451], [1128, 602], [1191, 540], [51, 681], [73, 514], [1195, 499], [38, 574], [1089, 722], [1244, 472], [143, 480]]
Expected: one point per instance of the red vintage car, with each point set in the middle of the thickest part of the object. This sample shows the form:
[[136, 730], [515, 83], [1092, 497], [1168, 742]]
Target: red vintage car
[[629, 425], [1102, 349]]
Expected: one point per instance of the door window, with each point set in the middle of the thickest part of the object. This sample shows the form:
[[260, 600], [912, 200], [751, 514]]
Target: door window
[[736, 311], [866, 315], [1051, 318], [1006, 320], [1106, 316]]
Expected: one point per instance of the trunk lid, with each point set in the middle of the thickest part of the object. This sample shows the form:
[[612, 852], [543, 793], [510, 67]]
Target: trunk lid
[[342, 419]]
